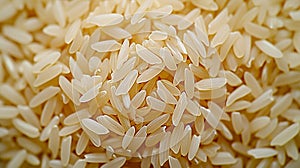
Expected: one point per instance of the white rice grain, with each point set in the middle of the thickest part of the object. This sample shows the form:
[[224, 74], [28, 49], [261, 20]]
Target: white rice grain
[[223, 158], [168, 58], [165, 94], [65, 150], [269, 48], [128, 137], [259, 153], [18, 159], [174, 162], [106, 46], [43, 96], [194, 146], [147, 55], [111, 124], [287, 134], [94, 126], [210, 84], [117, 163], [16, 34], [262, 101], [240, 92], [54, 141], [127, 83], [11, 94], [26, 128], [179, 109], [106, 19]]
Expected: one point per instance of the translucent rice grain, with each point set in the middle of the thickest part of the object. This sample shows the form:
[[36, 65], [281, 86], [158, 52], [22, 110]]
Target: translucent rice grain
[[165, 94], [66, 86], [237, 122], [123, 70], [128, 137], [155, 137], [219, 20], [117, 163], [147, 55], [96, 158], [26, 128], [111, 124], [117, 33], [188, 19], [91, 93], [7, 11], [33, 160], [193, 107], [281, 105], [221, 36], [59, 13], [127, 83], [18, 159], [210, 84], [269, 48], [49, 59], [174, 163], [157, 123], [47, 130], [213, 114], [10, 47], [106, 46], [82, 143], [80, 163], [176, 137], [138, 99], [54, 141], [164, 148], [262, 101], [30, 145], [287, 134], [43, 96], [259, 123], [223, 158], [179, 109], [17, 34], [138, 139], [194, 146], [65, 150], [241, 91], [106, 19], [186, 141], [11, 94], [67, 130], [47, 75], [72, 31], [150, 73], [253, 84], [158, 35], [123, 54], [256, 30], [259, 153], [168, 58], [189, 83], [287, 78], [94, 126]]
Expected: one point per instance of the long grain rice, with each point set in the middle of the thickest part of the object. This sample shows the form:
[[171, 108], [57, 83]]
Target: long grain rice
[[286, 135], [149, 83], [262, 152]]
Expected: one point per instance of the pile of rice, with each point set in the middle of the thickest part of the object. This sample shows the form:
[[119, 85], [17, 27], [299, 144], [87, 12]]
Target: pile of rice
[[149, 83]]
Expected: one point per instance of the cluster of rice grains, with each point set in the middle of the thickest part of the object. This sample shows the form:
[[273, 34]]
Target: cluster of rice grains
[[149, 83]]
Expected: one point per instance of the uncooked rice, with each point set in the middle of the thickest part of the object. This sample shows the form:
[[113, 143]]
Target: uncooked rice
[[149, 83]]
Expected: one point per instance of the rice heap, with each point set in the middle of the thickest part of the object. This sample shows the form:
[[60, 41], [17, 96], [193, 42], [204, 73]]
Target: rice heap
[[135, 83]]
